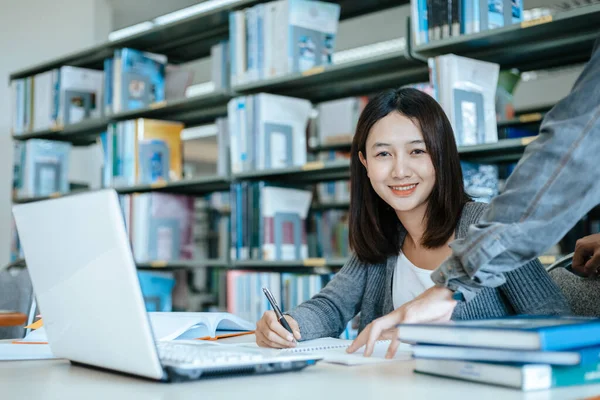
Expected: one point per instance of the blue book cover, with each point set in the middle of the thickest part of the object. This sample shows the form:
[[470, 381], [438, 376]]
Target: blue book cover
[[108, 86], [142, 79], [586, 355], [518, 332]]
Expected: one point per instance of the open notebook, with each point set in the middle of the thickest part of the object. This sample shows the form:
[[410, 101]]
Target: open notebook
[[179, 325], [334, 351]]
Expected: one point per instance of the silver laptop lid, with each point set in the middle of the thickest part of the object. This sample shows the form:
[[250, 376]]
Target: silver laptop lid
[[86, 284]]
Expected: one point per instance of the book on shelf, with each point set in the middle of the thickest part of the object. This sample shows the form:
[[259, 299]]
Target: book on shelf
[[245, 297], [138, 80], [337, 119], [160, 226], [280, 38], [220, 65], [157, 289], [466, 89], [62, 96], [80, 95], [41, 168], [21, 105], [440, 19], [330, 236], [267, 132], [206, 150], [268, 222], [141, 151]]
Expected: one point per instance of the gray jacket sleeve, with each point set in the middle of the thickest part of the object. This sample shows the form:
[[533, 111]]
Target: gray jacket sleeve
[[328, 312]]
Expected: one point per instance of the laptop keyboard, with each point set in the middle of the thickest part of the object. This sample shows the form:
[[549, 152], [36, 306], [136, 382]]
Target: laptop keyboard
[[205, 355]]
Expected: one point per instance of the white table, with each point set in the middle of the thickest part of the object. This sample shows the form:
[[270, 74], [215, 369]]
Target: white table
[[58, 379]]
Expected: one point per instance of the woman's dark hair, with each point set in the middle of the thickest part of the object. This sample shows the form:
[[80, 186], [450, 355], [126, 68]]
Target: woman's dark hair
[[374, 227]]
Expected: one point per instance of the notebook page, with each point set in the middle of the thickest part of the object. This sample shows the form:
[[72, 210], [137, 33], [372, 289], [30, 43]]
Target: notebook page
[[319, 345], [334, 351]]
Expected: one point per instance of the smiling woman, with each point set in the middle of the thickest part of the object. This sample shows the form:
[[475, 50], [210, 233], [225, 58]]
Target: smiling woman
[[407, 204], [403, 138]]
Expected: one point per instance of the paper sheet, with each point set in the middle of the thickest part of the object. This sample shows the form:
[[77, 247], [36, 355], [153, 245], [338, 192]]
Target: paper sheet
[[15, 352], [334, 351]]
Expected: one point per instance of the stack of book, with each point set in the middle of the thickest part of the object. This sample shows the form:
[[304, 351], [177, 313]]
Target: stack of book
[[525, 352]]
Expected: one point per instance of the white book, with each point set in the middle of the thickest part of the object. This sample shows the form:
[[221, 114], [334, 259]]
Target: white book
[[80, 94], [283, 212], [44, 100], [526, 377], [467, 89], [239, 76], [281, 129], [270, 11]]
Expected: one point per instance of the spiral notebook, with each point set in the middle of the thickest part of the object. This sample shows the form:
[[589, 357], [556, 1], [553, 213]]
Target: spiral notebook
[[334, 351]]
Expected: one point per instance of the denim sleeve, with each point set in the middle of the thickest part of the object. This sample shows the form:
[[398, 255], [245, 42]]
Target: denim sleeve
[[556, 182]]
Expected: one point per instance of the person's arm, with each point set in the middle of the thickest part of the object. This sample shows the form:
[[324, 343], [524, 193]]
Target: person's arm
[[556, 182], [531, 291], [328, 312]]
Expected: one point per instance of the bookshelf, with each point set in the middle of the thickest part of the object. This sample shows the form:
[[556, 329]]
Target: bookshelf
[[345, 79], [562, 39], [565, 39], [186, 39], [187, 264], [191, 111]]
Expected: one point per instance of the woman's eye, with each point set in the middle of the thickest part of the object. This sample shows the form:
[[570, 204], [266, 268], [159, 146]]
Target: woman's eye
[[418, 151], [382, 154]]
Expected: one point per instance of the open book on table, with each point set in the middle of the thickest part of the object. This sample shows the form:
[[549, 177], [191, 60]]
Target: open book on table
[[180, 325], [197, 325]]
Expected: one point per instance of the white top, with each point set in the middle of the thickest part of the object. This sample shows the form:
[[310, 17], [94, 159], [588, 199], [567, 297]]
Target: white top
[[409, 281]]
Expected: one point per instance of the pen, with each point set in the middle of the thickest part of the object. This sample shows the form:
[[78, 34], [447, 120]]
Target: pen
[[278, 312]]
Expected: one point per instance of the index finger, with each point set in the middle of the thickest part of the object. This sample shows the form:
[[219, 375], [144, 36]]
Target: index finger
[[358, 342], [373, 337], [276, 327]]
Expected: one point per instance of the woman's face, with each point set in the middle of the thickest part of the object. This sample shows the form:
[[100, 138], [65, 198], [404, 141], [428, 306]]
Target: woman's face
[[398, 165]]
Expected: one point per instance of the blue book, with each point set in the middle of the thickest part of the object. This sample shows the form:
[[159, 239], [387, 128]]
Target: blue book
[[586, 355], [141, 80], [517, 333]]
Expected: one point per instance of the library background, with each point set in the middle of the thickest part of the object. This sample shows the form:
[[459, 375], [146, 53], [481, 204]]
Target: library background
[[225, 125]]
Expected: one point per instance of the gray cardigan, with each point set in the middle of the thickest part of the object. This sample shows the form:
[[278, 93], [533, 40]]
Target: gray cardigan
[[367, 288]]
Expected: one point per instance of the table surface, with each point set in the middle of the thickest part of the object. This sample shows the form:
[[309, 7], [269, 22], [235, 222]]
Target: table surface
[[58, 379]]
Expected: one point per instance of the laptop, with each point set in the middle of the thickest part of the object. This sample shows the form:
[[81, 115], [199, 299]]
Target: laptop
[[85, 280]]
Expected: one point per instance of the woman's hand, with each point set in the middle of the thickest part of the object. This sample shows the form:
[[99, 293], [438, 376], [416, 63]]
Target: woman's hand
[[270, 332], [434, 305]]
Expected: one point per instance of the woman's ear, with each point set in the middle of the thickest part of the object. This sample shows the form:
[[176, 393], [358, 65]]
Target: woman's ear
[[363, 161]]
